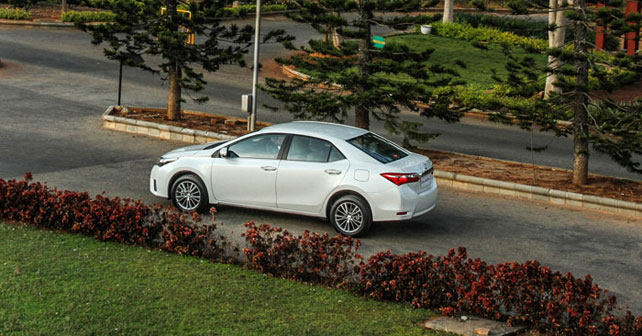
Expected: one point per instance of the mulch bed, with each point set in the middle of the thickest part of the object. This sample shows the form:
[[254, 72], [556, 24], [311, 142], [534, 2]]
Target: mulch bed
[[190, 119], [541, 176], [627, 93]]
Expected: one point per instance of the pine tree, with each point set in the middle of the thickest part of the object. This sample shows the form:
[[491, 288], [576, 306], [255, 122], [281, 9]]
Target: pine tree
[[355, 76], [157, 28], [610, 127]]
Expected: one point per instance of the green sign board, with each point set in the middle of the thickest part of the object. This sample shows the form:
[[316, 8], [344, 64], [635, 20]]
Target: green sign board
[[379, 42]]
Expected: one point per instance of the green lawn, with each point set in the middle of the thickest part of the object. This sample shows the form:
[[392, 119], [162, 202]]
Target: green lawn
[[479, 63], [63, 284]]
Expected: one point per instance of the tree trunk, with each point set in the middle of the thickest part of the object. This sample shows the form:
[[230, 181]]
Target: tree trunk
[[63, 4], [555, 40], [448, 11], [336, 38], [174, 71], [580, 99], [361, 112], [174, 96]]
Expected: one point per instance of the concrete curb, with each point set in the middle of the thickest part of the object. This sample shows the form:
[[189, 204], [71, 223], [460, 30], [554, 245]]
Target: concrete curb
[[553, 196], [37, 24], [25, 23], [162, 131]]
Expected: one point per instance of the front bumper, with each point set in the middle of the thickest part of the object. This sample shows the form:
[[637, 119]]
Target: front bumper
[[157, 183]]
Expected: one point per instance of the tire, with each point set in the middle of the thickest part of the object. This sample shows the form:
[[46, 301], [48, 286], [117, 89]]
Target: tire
[[350, 215], [189, 194]]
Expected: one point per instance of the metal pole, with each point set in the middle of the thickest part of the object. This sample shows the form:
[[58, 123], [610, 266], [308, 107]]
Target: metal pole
[[120, 80], [255, 76]]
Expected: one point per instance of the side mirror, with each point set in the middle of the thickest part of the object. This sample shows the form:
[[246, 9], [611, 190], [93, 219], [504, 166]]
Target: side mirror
[[223, 152]]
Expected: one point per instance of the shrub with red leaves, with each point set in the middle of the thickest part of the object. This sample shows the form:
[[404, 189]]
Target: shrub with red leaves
[[311, 258], [527, 293], [108, 219]]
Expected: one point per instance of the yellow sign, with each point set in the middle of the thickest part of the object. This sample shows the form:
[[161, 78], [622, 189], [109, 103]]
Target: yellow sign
[[191, 37]]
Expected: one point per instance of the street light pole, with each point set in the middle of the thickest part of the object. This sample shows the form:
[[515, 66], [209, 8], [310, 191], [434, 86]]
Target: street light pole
[[251, 125], [120, 79]]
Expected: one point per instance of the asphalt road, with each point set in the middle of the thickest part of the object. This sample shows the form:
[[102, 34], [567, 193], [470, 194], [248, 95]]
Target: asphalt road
[[53, 92], [85, 70]]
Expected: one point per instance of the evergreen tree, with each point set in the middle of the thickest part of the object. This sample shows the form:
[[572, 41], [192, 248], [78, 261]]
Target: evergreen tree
[[353, 75], [612, 128], [157, 28]]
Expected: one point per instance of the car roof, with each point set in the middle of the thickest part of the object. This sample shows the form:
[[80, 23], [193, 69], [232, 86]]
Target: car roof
[[317, 129]]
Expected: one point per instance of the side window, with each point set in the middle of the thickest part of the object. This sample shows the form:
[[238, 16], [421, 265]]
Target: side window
[[309, 149], [335, 155], [266, 146]]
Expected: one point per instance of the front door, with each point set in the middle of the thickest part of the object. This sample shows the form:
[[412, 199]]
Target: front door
[[247, 176]]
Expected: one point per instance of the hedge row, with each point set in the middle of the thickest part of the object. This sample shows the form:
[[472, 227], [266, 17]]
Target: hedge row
[[87, 16], [14, 14], [517, 26], [109, 219], [526, 293], [244, 10], [467, 32]]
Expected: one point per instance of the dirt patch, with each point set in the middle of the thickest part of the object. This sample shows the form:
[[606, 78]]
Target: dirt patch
[[50, 12], [270, 68], [541, 176], [190, 119]]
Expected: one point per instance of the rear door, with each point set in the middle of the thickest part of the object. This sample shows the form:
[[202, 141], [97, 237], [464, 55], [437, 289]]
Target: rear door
[[310, 170]]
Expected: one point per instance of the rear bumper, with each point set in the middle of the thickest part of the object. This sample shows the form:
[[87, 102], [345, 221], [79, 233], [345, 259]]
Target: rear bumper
[[403, 203]]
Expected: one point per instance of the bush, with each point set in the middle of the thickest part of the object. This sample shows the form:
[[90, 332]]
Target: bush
[[521, 27], [310, 258], [244, 10], [85, 17], [525, 293], [14, 14], [108, 219], [485, 34]]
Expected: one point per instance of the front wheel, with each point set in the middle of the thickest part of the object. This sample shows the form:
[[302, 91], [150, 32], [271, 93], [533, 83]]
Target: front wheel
[[350, 216], [189, 194]]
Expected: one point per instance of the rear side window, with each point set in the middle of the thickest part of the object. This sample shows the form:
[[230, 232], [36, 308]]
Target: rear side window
[[309, 149], [378, 148]]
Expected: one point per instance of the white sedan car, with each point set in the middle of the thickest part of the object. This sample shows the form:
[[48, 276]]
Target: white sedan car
[[345, 174]]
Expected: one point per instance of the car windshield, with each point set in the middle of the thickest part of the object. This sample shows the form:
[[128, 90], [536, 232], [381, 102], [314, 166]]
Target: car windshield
[[380, 149]]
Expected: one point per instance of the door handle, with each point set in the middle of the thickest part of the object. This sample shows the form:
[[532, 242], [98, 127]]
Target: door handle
[[268, 168], [332, 171]]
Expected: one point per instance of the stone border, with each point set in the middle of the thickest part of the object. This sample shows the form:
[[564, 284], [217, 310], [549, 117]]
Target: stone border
[[26, 23], [55, 24], [553, 196], [162, 131]]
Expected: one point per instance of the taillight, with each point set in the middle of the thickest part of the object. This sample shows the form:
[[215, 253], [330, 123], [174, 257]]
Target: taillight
[[401, 178]]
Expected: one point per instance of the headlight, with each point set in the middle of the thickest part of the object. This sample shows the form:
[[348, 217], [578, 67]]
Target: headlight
[[163, 161]]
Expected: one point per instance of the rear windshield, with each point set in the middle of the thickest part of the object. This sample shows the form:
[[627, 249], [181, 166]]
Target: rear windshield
[[380, 149]]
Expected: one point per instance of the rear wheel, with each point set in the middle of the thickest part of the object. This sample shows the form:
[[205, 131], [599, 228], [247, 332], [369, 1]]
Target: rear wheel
[[189, 194], [350, 216]]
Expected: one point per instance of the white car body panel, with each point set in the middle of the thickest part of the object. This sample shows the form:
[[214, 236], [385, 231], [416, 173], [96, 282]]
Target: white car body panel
[[302, 187]]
